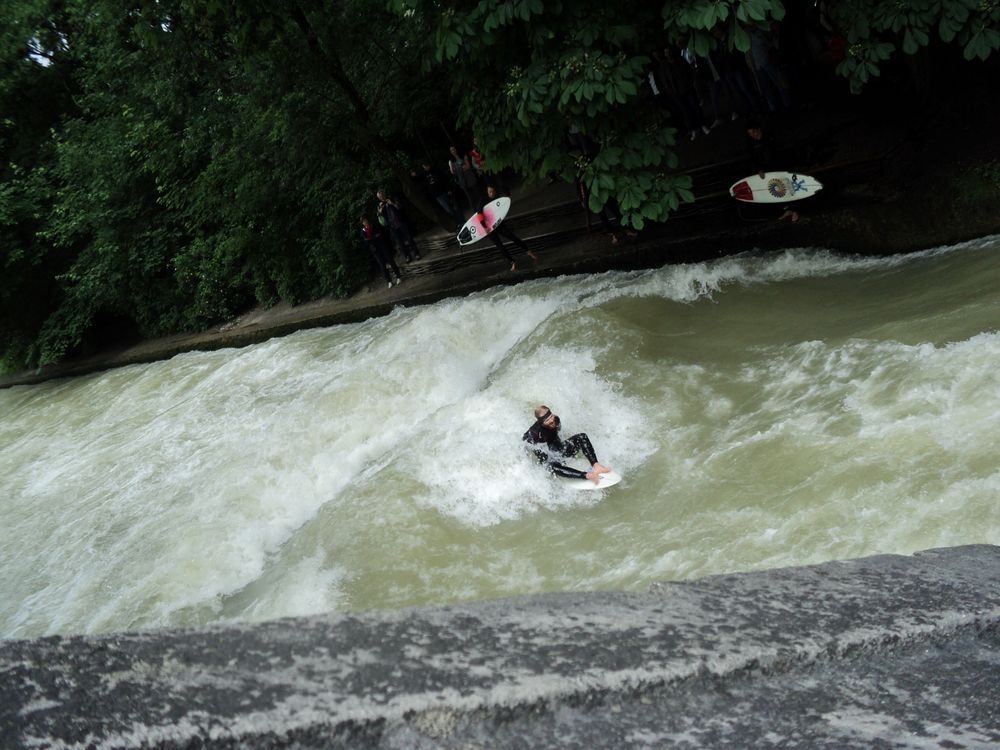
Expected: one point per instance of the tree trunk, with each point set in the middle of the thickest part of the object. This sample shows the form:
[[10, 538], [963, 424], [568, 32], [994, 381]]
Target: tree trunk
[[362, 117]]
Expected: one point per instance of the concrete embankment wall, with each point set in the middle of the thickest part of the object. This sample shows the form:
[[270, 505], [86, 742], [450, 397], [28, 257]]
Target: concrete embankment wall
[[883, 651]]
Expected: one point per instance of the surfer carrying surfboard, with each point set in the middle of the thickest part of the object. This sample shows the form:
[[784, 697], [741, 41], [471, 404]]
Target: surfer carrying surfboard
[[545, 432], [501, 229], [761, 148]]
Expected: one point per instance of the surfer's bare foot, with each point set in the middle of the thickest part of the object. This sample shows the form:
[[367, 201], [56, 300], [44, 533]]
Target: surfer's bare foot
[[791, 215], [594, 477], [600, 469], [533, 255], [614, 239], [513, 267]]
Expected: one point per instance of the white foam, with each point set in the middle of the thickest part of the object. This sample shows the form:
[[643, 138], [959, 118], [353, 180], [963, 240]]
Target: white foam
[[245, 482]]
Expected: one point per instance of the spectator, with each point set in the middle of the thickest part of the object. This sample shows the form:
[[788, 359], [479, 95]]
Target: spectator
[[656, 86], [766, 65], [371, 235], [465, 176], [677, 78], [399, 228], [610, 215], [436, 188], [760, 147], [476, 158], [736, 79]]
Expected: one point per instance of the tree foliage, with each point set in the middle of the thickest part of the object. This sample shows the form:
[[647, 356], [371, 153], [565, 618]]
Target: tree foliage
[[875, 29], [165, 164], [528, 73], [203, 159]]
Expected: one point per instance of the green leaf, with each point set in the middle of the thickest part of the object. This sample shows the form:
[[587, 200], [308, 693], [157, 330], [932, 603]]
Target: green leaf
[[701, 44], [740, 39], [452, 43], [948, 29]]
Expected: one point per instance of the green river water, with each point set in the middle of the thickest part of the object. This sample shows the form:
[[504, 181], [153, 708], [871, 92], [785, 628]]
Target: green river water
[[765, 410]]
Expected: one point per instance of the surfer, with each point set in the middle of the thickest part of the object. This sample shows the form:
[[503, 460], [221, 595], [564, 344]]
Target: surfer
[[545, 432], [501, 229], [761, 149]]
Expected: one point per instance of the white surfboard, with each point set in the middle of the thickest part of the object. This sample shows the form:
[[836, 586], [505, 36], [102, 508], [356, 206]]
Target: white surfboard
[[474, 230], [775, 187], [607, 480]]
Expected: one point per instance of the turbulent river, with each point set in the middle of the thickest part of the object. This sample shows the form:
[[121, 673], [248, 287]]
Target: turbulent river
[[766, 410]]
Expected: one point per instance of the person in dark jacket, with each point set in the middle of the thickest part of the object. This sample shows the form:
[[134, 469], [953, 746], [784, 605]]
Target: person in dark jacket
[[399, 227], [760, 148], [545, 432], [436, 188], [371, 235]]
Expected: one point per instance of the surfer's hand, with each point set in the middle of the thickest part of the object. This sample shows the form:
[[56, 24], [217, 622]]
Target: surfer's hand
[[594, 477]]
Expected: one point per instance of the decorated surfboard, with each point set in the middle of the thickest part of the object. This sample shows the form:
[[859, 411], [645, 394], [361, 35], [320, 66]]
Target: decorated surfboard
[[607, 480], [775, 187], [474, 230]]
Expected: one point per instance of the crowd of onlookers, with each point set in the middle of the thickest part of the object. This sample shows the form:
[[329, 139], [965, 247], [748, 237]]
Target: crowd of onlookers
[[696, 94], [460, 194], [391, 225]]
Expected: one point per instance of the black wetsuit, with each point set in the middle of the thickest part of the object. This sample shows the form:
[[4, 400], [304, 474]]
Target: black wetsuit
[[500, 230], [539, 434]]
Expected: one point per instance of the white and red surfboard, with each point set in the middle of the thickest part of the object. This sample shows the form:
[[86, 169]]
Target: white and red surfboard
[[474, 230], [775, 187]]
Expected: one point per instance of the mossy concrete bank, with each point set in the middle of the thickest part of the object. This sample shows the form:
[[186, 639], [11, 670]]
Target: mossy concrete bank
[[886, 651]]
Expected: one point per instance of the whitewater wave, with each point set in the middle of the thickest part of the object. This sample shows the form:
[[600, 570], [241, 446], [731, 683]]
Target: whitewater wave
[[380, 463]]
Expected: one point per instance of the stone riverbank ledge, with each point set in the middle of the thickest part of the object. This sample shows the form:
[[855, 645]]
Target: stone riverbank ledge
[[885, 651]]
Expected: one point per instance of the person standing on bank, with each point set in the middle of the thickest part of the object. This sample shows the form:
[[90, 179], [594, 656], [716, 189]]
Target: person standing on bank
[[761, 149], [545, 432], [465, 176], [399, 228], [434, 186], [501, 229], [371, 235]]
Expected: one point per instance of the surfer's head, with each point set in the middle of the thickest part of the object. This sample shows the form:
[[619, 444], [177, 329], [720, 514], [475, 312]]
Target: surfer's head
[[545, 417]]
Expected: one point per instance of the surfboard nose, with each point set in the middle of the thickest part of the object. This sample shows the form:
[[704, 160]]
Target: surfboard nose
[[741, 191]]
